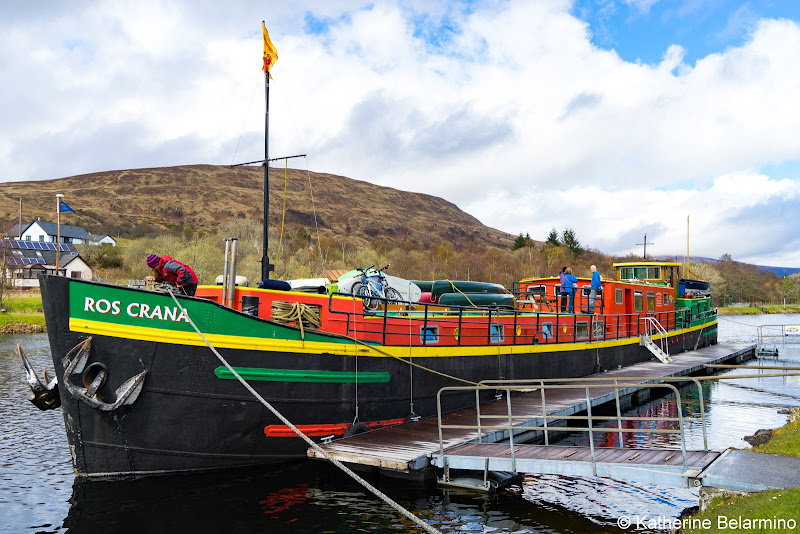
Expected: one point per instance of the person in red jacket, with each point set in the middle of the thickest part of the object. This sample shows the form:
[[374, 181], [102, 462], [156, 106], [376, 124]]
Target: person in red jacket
[[171, 271]]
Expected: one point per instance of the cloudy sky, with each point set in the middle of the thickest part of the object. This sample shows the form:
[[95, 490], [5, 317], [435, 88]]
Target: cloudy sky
[[616, 118]]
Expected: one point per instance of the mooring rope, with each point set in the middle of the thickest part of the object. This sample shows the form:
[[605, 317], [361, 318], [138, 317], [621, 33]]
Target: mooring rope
[[459, 291], [375, 491], [303, 315]]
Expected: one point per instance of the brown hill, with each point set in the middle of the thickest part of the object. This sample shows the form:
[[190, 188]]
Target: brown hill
[[137, 202]]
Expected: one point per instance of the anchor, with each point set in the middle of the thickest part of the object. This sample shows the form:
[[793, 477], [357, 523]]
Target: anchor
[[44, 394], [94, 377]]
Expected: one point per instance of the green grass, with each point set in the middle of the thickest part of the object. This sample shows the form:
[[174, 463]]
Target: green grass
[[754, 310], [772, 504], [23, 314], [21, 318], [785, 441], [26, 305]]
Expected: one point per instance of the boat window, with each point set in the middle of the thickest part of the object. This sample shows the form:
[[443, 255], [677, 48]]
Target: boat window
[[638, 301], [640, 273], [429, 334], [654, 273], [618, 296], [582, 330], [598, 329], [626, 273], [497, 333], [651, 301]]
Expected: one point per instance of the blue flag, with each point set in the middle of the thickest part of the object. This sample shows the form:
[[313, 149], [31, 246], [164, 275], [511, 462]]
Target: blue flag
[[65, 208]]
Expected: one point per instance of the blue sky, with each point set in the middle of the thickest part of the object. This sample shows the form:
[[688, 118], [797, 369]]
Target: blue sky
[[614, 118], [642, 30]]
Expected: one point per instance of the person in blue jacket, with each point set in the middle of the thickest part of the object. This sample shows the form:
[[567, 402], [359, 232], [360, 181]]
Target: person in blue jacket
[[571, 284], [595, 288]]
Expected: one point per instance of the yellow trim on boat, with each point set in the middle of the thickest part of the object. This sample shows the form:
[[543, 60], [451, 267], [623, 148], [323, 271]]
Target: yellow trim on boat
[[342, 348]]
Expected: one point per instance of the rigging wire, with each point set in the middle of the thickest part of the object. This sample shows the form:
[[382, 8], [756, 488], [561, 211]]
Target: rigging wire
[[244, 123], [385, 498]]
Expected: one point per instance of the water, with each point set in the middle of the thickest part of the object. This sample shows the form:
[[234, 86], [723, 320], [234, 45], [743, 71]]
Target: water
[[38, 492]]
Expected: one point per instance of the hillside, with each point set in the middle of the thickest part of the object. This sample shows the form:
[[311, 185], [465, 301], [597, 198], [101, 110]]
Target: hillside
[[138, 202]]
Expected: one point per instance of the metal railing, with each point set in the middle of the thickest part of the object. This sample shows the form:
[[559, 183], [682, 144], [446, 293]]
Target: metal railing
[[775, 334], [471, 326], [587, 384], [652, 326]]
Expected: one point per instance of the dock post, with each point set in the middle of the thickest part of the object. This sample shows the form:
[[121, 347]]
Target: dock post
[[591, 433]]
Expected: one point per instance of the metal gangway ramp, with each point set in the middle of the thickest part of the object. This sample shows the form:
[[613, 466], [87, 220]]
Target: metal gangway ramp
[[670, 467]]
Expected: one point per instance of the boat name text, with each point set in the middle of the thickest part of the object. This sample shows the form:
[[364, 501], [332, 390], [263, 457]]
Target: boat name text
[[136, 309]]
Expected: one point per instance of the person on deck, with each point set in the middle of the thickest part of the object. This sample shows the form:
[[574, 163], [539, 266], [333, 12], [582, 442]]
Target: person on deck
[[571, 283], [562, 291], [173, 272], [595, 287]]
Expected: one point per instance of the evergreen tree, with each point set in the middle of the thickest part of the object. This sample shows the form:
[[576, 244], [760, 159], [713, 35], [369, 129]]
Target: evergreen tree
[[519, 242], [522, 241], [571, 241], [552, 238]]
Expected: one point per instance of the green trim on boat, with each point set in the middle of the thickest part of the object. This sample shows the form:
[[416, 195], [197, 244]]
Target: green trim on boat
[[302, 375]]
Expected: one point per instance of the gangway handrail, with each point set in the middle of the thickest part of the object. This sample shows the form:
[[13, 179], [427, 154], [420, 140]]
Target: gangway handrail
[[653, 325], [509, 427], [783, 335], [650, 379]]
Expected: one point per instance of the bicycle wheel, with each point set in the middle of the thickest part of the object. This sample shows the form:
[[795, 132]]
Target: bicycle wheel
[[356, 288], [370, 303], [393, 294]]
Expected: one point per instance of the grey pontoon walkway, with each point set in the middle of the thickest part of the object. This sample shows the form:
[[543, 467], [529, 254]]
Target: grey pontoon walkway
[[409, 447]]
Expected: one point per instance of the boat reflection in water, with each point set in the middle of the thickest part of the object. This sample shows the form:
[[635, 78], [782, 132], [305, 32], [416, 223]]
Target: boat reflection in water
[[301, 497]]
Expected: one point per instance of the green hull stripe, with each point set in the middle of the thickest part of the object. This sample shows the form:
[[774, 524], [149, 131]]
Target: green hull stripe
[[303, 375]]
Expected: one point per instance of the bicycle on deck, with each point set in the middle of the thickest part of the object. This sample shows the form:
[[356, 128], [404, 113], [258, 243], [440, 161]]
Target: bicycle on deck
[[374, 289]]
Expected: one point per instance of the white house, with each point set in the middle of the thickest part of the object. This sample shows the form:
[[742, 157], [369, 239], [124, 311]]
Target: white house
[[25, 260], [104, 240], [46, 232]]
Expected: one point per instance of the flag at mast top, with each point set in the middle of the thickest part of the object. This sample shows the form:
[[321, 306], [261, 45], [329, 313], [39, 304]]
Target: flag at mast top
[[270, 53]]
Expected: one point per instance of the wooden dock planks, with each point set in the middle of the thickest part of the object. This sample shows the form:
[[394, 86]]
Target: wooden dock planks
[[408, 446]]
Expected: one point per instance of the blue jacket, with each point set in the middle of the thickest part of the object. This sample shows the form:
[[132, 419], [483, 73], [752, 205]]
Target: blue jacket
[[596, 280], [569, 279]]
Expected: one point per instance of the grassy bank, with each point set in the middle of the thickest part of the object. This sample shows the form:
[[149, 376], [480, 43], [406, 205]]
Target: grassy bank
[[767, 505], [23, 314], [756, 310]]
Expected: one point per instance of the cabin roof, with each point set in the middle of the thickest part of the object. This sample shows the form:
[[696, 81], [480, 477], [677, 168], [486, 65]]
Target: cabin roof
[[649, 263]]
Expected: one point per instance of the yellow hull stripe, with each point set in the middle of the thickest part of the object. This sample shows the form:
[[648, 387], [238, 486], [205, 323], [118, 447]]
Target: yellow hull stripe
[[340, 348]]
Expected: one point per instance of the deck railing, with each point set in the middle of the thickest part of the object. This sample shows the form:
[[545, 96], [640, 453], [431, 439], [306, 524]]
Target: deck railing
[[430, 324]]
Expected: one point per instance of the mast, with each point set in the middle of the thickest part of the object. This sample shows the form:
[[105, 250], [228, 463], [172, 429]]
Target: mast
[[58, 229], [687, 248], [270, 57]]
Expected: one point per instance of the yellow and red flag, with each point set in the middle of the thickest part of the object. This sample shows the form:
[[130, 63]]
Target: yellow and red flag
[[270, 54]]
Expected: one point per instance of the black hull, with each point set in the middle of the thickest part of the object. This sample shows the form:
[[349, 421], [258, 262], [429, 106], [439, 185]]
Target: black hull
[[187, 419]]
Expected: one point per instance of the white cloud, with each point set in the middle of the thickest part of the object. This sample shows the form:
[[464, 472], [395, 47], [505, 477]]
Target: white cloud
[[505, 108]]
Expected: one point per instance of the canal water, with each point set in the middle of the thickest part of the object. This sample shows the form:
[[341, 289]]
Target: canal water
[[38, 493]]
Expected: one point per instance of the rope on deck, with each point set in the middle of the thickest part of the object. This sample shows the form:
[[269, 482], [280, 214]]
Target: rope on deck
[[385, 498]]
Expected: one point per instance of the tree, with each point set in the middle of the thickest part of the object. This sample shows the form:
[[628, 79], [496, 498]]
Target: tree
[[522, 241], [571, 241], [552, 238], [787, 289]]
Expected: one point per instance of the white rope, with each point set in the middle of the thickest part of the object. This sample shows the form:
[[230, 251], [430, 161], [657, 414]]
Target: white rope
[[385, 498]]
